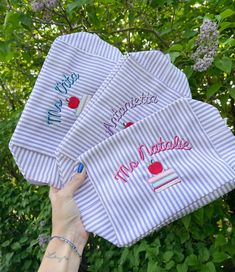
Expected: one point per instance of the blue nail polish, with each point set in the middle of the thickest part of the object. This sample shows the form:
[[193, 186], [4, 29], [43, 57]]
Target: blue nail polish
[[80, 167]]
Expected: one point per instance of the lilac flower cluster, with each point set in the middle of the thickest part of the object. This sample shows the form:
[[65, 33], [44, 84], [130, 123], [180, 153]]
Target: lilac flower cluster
[[42, 239], [207, 45], [39, 5]]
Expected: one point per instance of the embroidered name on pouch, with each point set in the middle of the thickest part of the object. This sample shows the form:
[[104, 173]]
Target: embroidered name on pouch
[[120, 112], [62, 87], [176, 144]]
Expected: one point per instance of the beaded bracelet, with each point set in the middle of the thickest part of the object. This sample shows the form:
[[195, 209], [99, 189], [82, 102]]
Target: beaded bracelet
[[72, 245]]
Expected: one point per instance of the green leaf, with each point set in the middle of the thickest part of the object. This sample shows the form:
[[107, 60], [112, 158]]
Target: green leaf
[[16, 246], [170, 264], [92, 15], [168, 255], [6, 51], [192, 260], [204, 254], [188, 71], [131, 17], [230, 42], [152, 267], [12, 19], [157, 3], [225, 25], [8, 257], [26, 21], [213, 89], [224, 64], [232, 92], [220, 239], [77, 4], [176, 47], [3, 5], [124, 255], [227, 13], [182, 267], [6, 243], [151, 252], [27, 264], [184, 236], [190, 44], [33, 243], [179, 257], [143, 246], [219, 257], [186, 221], [199, 215], [174, 55], [23, 239], [211, 267], [189, 34], [74, 5]]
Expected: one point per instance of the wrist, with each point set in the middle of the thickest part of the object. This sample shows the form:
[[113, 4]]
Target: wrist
[[72, 235]]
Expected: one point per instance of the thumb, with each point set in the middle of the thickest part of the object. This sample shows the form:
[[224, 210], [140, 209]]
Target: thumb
[[75, 183]]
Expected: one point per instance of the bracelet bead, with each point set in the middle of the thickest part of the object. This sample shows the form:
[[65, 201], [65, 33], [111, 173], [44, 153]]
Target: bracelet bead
[[72, 245]]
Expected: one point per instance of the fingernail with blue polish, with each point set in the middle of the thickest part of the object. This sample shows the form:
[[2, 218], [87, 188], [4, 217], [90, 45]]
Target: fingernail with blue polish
[[80, 167]]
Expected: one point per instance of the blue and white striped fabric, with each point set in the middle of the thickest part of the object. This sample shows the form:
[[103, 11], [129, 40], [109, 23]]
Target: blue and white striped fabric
[[140, 84], [190, 138], [75, 67]]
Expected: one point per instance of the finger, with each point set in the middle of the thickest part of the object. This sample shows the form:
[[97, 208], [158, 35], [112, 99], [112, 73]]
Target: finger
[[52, 191], [76, 182]]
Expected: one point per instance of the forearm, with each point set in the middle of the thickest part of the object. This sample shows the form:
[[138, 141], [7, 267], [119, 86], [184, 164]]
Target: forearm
[[59, 255], [80, 243], [64, 254]]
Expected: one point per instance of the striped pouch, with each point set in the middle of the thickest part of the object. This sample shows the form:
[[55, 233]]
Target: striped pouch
[[163, 167], [140, 84], [74, 68]]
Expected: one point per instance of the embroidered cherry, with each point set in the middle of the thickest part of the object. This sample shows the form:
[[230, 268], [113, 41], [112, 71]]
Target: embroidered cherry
[[73, 102], [128, 124], [155, 168]]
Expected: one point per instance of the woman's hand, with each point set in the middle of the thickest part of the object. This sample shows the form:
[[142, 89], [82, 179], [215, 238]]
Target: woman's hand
[[65, 213], [66, 223]]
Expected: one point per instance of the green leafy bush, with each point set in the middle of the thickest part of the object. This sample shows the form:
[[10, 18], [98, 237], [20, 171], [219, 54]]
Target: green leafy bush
[[203, 241]]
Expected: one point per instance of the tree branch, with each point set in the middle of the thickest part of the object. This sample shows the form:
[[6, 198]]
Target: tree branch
[[134, 29], [49, 22], [66, 17], [7, 97]]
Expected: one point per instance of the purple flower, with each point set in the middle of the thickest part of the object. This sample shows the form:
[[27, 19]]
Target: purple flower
[[37, 5], [50, 4], [42, 239], [42, 223], [207, 43]]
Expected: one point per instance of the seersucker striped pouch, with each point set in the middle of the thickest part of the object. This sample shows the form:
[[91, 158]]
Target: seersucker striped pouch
[[163, 167], [74, 68], [140, 84]]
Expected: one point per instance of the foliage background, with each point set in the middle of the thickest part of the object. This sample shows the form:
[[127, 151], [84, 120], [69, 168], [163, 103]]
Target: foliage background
[[203, 241]]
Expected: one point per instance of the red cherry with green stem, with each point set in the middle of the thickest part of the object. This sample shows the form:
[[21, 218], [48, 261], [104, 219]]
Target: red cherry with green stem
[[155, 168], [73, 102]]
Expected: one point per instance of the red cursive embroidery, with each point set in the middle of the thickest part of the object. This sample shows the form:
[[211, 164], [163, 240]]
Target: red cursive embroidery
[[123, 170], [160, 146]]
